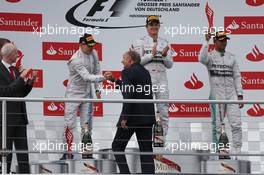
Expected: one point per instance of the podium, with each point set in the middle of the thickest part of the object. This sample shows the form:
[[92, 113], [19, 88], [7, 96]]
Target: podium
[[187, 162]]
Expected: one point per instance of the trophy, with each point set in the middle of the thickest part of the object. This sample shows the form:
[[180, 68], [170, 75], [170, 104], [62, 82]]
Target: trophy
[[210, 18]]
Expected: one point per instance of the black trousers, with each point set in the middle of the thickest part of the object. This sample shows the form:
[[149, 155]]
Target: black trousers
[[144, 138], [18, 136]]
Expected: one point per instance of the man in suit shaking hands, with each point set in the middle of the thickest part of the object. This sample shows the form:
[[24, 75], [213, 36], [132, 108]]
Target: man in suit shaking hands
[[135, 118]]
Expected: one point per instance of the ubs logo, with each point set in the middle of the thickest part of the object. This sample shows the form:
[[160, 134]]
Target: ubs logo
[[104, 14]]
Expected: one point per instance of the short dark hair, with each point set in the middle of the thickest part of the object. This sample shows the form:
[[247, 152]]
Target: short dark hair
[[134, 56]]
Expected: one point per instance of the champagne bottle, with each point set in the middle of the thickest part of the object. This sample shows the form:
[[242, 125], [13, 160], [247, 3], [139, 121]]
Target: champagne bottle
[[158, 137], [224, 142], [87, 144]]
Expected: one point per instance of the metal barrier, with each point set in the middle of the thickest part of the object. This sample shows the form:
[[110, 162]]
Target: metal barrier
[[4, 100]]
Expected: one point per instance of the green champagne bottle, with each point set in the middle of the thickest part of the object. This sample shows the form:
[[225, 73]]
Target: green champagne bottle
[[158, 137], [87, 144], [223, 140]]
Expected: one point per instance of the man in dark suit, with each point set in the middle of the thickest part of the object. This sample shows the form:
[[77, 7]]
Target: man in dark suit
[[135, 117], [16, 111]]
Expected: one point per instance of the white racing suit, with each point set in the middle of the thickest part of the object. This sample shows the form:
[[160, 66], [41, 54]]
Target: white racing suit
[[225, 82], [157, 68], [84, 70]]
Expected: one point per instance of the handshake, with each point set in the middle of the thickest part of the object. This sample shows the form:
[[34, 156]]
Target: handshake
[[109, 76]]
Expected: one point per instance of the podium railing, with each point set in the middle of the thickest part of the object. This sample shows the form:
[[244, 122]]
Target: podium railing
[[4, 101]]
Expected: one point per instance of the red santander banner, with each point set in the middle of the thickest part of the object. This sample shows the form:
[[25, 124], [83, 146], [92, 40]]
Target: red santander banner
[[20, 22], [187, 52], [253, 80], [64, 51], [244, 24], [189, 110], [57, 109]]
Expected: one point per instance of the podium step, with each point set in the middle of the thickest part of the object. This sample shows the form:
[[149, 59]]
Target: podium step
[[49, 168], [226, 166], [79, 166], [174, 164]]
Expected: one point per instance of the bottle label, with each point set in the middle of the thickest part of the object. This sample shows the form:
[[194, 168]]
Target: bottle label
[[159, 139]]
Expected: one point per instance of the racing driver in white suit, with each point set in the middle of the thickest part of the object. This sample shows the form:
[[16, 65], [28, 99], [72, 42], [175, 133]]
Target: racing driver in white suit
[[225, 82], [156, 57], [83, 68]]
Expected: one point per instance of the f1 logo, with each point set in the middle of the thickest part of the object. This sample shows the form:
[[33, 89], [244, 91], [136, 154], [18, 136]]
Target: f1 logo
[[109, 8]]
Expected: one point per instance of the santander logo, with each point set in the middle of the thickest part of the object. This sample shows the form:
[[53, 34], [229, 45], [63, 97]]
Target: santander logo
[[58, 51], [173, 108], [255, 2], [189, 110], [193, 83], [256, 111], [244, 24], [57, 109], [252, 80], [255, 55], [64, 51], [187, 52], [52, 107], [233, 25], [51, 51], [20, 22]]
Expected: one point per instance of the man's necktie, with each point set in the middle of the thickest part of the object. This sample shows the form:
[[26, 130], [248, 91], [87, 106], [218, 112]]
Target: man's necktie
[[12, 72]]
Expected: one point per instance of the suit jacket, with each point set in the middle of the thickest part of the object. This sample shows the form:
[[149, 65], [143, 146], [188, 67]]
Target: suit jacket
[[11, 89], [136, 84], [16, 111]]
